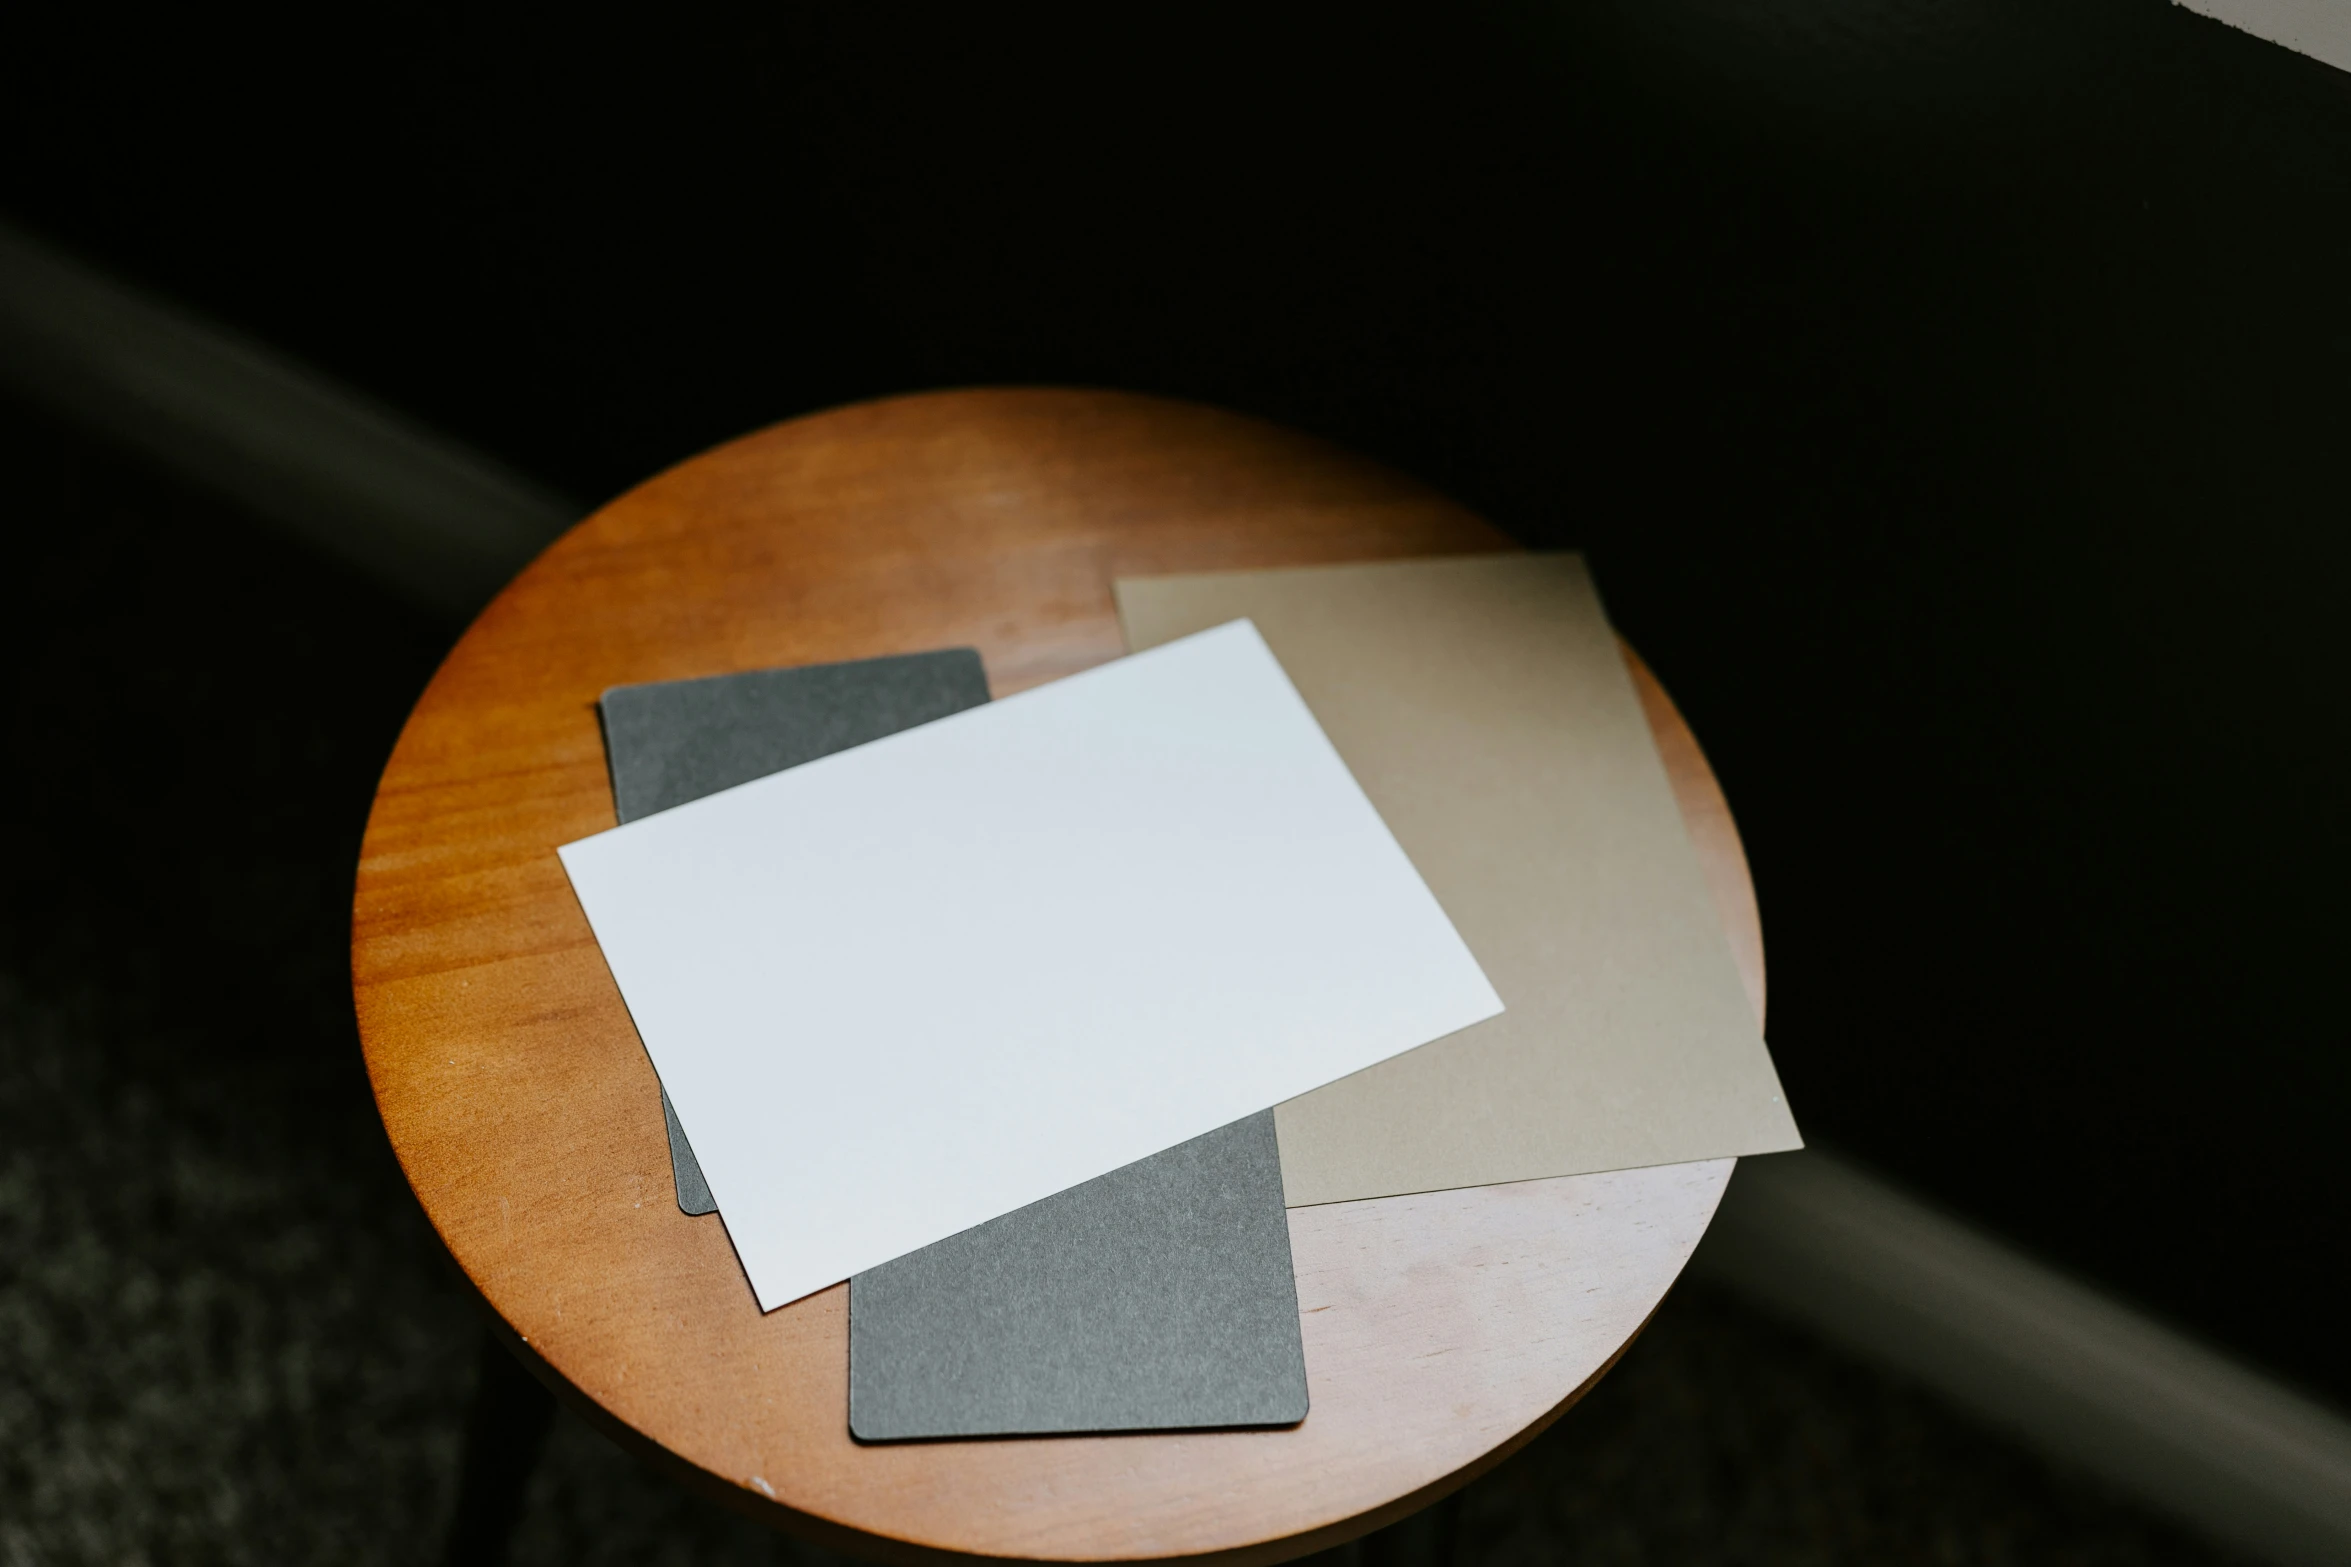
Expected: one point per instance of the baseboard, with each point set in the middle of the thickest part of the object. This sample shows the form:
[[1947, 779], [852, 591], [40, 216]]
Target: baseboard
[[444, 525], [2072, 1372]]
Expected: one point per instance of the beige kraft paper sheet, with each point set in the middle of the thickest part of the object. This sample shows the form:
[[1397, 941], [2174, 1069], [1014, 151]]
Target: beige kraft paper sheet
[[1484, 706]]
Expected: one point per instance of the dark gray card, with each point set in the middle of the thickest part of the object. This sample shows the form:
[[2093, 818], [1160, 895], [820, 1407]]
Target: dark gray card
[[672, 741], [1158, 1297], [1154, 1298]]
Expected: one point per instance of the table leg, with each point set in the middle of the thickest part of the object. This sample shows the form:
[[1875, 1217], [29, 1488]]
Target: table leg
[[1428, 1538], [504, 1432]]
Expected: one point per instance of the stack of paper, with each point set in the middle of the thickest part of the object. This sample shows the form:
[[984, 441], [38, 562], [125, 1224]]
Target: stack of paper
[[991, 1006], [1156, 1296]]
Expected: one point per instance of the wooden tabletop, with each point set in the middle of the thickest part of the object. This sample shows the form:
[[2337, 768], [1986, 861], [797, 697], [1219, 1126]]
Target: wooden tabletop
[[1441, 1331]]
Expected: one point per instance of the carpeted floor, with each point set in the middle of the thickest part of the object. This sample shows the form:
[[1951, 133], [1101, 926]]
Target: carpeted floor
[[228, 1336]]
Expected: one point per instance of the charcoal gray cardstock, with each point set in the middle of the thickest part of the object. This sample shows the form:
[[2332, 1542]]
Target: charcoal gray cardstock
[[672, 741], [1157, 1297], [684, 1169]]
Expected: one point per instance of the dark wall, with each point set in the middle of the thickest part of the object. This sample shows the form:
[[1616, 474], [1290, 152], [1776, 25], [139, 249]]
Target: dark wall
[[1954, 398]]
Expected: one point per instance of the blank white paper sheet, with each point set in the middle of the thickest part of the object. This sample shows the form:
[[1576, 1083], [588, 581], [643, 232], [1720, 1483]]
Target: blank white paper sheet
[[908, 988]]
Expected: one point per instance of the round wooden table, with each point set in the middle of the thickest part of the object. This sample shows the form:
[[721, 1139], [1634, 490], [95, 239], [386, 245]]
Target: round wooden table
[[1442, 1331]]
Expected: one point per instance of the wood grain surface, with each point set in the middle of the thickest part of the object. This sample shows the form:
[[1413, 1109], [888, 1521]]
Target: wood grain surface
[[1441, 1331]]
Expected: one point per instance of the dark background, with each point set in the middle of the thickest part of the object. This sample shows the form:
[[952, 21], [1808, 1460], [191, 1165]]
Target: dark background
[[1953, 395]]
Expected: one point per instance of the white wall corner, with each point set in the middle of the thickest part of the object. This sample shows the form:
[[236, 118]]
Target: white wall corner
[[2320, 29]]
